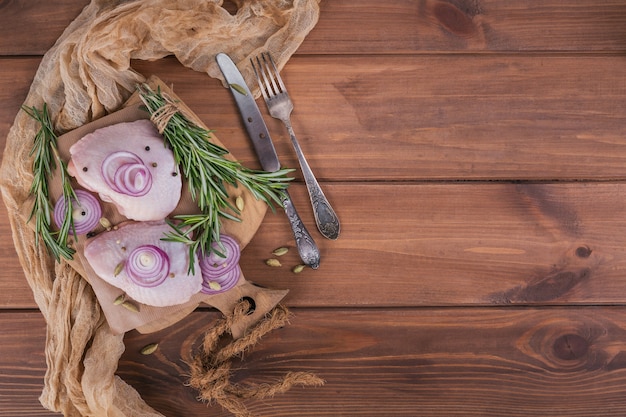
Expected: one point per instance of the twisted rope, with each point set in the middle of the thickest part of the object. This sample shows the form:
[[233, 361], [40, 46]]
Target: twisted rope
[[211, 366]]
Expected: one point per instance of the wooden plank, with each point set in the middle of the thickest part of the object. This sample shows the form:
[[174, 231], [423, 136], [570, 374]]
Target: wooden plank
[[483, 362], [443, 244], [347, 27], [15, 290], [517, 362], [460, 117], [16, 76], [405, 118], [397, 26], [31, 27], [457, 244], [22, 363]]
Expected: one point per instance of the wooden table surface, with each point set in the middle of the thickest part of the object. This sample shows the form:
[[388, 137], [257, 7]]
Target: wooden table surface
[[475, 151]]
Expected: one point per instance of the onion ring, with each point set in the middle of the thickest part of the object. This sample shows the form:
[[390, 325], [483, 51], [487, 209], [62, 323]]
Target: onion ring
[[86, 212], [126, 174], [222, 283], [147, 266], [222, 259]]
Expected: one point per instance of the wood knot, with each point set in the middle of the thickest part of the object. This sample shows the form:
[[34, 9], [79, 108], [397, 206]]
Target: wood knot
[[545, 288], [583, 252], [454, 19], [571, 347]]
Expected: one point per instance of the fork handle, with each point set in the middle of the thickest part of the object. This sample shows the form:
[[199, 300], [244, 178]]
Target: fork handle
[[325, 217], [308, 250]]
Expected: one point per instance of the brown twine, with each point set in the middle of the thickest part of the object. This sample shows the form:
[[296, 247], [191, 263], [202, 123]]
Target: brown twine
[[211, 367], [163, 114]]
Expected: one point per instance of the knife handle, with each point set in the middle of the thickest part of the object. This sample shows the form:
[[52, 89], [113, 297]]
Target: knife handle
[[308, 250]]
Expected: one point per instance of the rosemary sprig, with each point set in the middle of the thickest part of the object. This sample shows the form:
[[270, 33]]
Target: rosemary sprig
[[46, 159], [207, 171]]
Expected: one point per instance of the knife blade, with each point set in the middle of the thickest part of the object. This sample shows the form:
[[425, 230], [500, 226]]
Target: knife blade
[[264, 147], [250, 113]]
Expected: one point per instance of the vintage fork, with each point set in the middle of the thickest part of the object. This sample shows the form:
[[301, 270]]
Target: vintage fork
[[280, 107]]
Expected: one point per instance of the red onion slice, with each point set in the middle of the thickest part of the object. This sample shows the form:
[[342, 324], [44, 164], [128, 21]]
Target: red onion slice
[[222, 283], [126, 174], [86, 212], [215, 265], [147, 266], [132, 179]]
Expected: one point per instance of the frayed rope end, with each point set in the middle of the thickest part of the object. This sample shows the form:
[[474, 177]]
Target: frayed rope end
[[210, 368]]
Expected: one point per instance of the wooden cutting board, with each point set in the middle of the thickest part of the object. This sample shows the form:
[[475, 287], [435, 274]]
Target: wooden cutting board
[[149, 318]]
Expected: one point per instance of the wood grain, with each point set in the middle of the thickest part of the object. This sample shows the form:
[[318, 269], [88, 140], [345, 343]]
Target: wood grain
[[458, 244], [444, 244], [16, 75], [474, 151], [478, 26], [493, 362], [401, 118], [395, 26], [31, 27], [22, 363]]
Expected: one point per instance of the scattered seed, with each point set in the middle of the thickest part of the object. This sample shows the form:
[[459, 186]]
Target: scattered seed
[[130, 306], [104, 222], [239, 203], [273, 262], [149, 349], [172, 275], [147, 148], [85, 169], [119, 300], [215, 286], [298, 268], [118, 269], [280, 251], [154, 164], [239, 89]]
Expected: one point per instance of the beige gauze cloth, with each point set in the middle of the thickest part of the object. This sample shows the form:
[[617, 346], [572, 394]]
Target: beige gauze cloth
[[84, 76]]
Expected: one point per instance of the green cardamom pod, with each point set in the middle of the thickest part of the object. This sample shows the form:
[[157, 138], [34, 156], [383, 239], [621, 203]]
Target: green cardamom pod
[[280, 251], [130, 306], [273, 262], [149, 349]]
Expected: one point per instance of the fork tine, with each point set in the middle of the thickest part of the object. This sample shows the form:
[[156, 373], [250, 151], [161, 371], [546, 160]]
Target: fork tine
[[277, 75], [270, 73], [257, 72], [267, 77]]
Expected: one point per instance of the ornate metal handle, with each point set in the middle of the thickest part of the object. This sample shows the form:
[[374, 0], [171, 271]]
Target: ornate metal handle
[[325, 217], [308, 250]]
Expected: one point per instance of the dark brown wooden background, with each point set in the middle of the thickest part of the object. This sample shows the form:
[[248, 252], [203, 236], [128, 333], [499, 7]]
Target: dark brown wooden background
[[475, 151]]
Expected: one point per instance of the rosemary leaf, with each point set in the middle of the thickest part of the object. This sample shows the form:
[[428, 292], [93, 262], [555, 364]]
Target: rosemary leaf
[[207, 171], [45, 159]]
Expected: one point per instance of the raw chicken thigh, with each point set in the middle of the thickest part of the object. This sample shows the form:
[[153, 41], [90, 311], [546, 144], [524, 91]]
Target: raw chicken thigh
[[128, 165], [148, 269]]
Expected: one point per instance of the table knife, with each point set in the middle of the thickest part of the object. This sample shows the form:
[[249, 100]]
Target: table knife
[[264, 148]]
